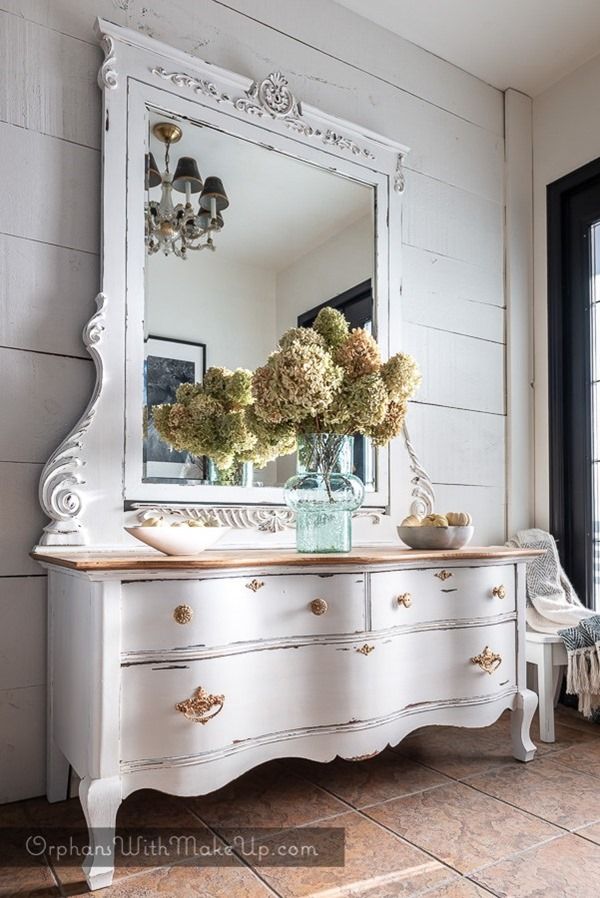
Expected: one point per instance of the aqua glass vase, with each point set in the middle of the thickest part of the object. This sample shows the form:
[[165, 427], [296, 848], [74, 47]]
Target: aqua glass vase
[[239, 474], [324, 492]]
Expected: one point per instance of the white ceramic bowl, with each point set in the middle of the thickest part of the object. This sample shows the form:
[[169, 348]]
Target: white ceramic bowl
[[436, 537], [179, 540]]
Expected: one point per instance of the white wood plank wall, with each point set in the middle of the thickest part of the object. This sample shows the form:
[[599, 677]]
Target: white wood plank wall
[[49, 180]]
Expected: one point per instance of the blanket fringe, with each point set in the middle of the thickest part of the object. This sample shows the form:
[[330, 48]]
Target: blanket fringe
[[583, 677]]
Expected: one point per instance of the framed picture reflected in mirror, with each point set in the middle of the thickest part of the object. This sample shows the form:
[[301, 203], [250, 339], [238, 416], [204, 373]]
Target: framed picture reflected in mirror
[[167, 364]]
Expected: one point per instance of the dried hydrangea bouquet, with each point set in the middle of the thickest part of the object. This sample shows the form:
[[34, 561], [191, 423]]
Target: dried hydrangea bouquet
[[216, 419], [324, 385]]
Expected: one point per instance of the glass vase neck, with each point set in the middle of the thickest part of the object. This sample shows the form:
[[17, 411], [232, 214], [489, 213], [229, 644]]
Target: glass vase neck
[[325, 453]]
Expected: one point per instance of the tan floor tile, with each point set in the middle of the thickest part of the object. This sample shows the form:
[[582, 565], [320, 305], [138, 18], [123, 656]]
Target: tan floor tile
[[460, 752], [460, 888], [362, 783], [460, 826], [23, 876], [183, 882], [591, 832], [584, 758], [568, 867], [146, 812], [572, 718], [547, 789], [21, 873], [267, 797], [377, 864]]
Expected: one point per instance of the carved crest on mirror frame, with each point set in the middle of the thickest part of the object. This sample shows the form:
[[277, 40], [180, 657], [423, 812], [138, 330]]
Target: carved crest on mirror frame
[[82, 506]]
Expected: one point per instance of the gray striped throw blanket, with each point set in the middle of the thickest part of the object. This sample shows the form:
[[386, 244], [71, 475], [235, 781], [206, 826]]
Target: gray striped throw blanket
[[554, 607]]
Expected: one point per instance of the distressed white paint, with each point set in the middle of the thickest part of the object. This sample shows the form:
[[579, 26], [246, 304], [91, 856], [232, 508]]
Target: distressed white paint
[[307, 686], [452, 121]]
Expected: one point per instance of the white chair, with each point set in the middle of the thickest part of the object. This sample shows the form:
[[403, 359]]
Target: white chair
[[549, 655]]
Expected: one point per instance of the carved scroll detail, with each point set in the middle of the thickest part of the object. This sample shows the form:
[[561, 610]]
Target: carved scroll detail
[[107, 75], [399, 180], [270, 97], [59, 490], [423, 493]]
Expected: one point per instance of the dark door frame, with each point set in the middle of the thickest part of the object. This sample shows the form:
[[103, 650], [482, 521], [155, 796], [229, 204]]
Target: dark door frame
[[573, 204]]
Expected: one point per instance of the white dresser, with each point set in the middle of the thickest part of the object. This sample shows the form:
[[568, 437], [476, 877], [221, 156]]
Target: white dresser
[[181, 674]]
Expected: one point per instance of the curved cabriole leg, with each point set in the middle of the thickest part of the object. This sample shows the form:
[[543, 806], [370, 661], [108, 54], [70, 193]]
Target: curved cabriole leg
[[522, 715], [100, 800]]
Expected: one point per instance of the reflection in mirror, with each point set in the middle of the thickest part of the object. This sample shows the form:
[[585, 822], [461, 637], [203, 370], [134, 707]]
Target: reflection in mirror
[[242, 243]]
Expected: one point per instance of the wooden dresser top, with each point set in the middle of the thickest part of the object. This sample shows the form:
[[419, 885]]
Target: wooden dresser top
[[87, 560]]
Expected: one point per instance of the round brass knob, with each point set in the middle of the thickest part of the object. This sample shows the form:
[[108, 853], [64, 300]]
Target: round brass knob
[[499, 592], [319, 606], [183, 614], [404, 599]]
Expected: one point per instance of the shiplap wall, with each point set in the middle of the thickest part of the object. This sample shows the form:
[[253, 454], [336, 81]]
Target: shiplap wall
[[49, 183]]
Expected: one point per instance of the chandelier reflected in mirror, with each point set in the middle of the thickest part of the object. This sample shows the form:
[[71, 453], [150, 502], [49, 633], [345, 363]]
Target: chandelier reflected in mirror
[[177, 229]]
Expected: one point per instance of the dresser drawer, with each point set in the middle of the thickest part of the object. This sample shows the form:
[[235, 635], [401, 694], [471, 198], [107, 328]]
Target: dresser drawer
[[171, 614], [411, 597], [251, 695]]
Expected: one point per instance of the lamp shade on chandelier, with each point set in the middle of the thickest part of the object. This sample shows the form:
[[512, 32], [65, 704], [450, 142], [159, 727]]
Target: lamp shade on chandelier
[[177, 229]]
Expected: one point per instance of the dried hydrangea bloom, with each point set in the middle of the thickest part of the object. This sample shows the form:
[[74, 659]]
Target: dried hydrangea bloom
[[391, 426], [231, 388], [298, 382], [332, 326], [401, 376], [303, 335], [186, 392], [360, 405], [272, 440], [359, 354]]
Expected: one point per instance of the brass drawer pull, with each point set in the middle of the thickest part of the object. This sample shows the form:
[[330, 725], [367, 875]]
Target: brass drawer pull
[[488, 661], [404, 599], [319, 606], [255, 585], [183, 614], [443, 575], [197, 707], [499, 592], [366, 649]]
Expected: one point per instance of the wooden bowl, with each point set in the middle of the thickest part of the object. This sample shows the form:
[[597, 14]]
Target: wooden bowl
[[436, 537], [179, 540]]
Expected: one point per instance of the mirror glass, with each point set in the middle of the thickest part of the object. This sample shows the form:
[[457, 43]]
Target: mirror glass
[[268, 240]]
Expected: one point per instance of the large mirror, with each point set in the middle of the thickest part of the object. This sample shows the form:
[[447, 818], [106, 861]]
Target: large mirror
[[242, 242]]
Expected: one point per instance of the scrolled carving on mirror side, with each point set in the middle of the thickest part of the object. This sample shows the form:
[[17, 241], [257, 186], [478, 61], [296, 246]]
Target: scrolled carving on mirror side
[[399, 180], [107, 74], [423, 493], [269, 97], [59, 489]]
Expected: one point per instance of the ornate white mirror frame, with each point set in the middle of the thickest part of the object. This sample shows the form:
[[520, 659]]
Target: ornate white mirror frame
[[95, 474]]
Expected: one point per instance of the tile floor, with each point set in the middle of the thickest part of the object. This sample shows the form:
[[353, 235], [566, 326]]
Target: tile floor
[[447, 814]]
